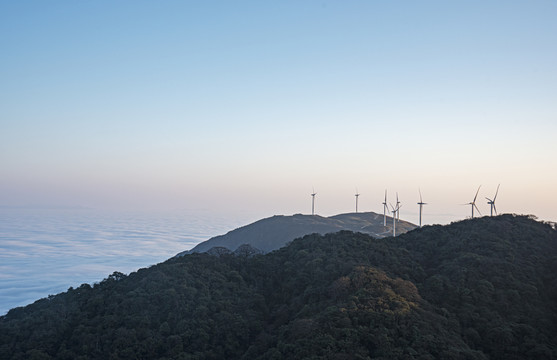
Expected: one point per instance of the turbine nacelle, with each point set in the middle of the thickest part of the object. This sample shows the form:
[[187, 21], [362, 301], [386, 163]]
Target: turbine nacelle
[[395, 209], [473, 203], [313, 201], [398, 206], [492, 202], [421, 203]]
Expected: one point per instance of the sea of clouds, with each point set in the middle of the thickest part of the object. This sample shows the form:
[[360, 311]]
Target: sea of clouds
[[46, 251]]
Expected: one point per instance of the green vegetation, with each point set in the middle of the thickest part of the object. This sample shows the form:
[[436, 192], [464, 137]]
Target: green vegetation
[[478, 289]]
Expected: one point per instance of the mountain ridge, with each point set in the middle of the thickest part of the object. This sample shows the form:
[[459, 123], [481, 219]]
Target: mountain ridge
[[274, 232]]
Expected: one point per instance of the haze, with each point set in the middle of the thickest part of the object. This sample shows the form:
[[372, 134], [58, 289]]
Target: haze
[[246, 105]]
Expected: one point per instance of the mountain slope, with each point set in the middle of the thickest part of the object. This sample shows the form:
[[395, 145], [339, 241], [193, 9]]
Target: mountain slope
[[275, 232], [478, 289]]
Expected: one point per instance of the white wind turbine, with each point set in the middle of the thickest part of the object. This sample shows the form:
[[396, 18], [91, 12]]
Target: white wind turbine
[[398, 206], [313, 201], [492, 202], [385, 208], [394, 211], [473, 203], [421, 203], [356, 195]]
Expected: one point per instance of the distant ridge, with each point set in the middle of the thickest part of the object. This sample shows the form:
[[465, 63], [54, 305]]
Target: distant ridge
[[275, 232]]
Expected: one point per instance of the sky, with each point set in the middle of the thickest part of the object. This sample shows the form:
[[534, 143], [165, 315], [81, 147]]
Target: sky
[[247, 106]]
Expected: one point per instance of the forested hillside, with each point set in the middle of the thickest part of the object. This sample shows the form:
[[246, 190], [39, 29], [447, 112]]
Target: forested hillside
[[478, 289]]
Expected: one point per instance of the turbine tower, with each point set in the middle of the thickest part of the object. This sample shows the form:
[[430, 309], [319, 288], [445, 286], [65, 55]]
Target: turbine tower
[[473, 203], [313, 201], [492, 202], [397, 208], [385, 208], [421, 203], [356, 195], [394, 211]]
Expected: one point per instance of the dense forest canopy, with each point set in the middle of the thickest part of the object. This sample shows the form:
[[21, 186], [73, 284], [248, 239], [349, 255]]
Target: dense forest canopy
[[478, 289]]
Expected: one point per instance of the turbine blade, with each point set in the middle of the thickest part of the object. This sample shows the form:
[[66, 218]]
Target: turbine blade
[[496, 193], [494, 208], [420, 194], [477, 209], [477, 194]]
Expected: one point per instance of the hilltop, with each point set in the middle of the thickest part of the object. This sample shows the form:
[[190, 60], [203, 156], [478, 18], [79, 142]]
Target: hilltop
[[484, 288], [275, 232]]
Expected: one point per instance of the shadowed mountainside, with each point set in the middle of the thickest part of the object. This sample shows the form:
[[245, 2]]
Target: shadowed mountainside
[[275, 232], [484, 288]]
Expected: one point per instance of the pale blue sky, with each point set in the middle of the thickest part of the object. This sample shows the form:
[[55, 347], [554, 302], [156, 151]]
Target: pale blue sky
[[245, 105]]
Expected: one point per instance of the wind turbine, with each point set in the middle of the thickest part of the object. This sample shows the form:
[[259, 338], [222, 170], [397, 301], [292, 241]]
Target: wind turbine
[[356, 195], [394, 211], [385, 208], [421, 203], [492, 202], [397, 208], [473, 203], [313, 201]]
